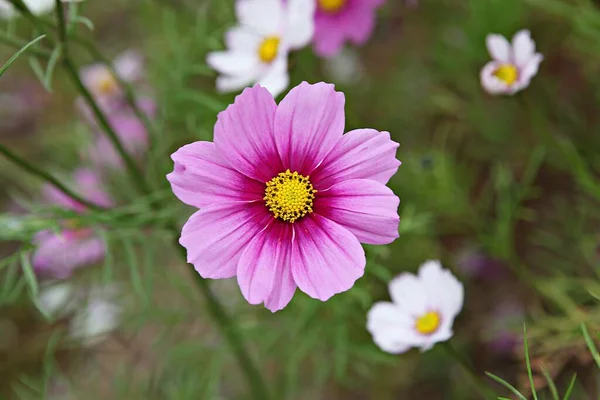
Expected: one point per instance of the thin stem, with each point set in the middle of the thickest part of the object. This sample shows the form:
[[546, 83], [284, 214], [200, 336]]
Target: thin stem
[[228, 329], [482, 387], [33, 170], [62, 25]]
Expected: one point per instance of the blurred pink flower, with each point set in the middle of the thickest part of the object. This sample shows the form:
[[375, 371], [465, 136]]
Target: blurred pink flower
[[58, 254], [286, 197], [98, 79], [130, 130], [513, 66], [339, 20]]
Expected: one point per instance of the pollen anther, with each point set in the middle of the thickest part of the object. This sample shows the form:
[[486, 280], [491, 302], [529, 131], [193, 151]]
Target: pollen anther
[[289, 196]]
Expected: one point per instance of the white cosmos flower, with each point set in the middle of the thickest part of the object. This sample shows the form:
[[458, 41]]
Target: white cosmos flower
[[257, 49], [422, 310], [513, 65], [345, 67], [37, 7]]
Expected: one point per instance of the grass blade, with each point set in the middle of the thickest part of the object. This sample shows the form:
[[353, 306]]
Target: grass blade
[[18, 53], [590, 344], [527, 361], [570, 388], [507, 385]]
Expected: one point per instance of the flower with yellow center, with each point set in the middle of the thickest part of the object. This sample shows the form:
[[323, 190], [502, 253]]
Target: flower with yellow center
[[428, 323], [268, 49], [289, 196], [422, 310], [331, 6], [507, 73]]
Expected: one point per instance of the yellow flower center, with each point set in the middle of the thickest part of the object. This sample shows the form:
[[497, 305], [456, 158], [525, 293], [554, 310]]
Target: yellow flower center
[[289, 196], [331, 6], [507, 73], [428, 323], [107, 84], [268, 49]]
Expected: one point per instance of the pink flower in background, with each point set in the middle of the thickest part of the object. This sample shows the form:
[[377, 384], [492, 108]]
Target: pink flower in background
[[513, 65], [98, 79], [286, 197], [130, 130], [58, 254], [339, 20]]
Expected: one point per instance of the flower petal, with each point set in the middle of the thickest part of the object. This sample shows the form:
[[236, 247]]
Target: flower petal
[[529, 71], [241, 39], [129, 65], [326, 258], [233, 62], [244, 134], [523, 48], [445, 292], [201, 177], [276, 79], [499, 48], [360, 154], [491, 83], [233, 83], [264, 271], [390, 328], [366, 208], [300, 23], [408, 293], [58, 255], [216, 236], [308, 123], [262, 16]]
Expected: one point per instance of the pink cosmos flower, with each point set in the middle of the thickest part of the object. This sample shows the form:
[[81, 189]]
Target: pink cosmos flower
[[130, 130], [98, 79], [339, 20], [58, 254], [286, 197], [513, 66]]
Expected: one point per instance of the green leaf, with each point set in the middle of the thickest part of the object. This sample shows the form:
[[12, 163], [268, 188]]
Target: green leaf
[[29, 274], [54, 57], [551, 384], [570, 388], [590, 344], [507, 385], [527, 361], [18, 53]]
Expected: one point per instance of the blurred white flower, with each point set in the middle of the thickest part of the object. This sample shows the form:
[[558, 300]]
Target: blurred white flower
[[94, 313], [422, 310], [37, 7], [345, 67], [513, 65], [257, 49]]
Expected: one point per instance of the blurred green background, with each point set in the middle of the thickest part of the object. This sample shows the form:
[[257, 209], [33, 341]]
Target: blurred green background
[[503, 190]]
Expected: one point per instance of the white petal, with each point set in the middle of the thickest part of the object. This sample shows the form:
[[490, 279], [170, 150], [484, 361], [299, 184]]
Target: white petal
[[262, 16], [491, 83], [300, 23], [499, 48], [38, 7], [529, 70], [55, 298], [242, 39], [523, 48], [390, 328], [277, 78], [229, 83], [441, 335], [97, 319], [233, 63], [445, 292], [408, 293], [129, 65]]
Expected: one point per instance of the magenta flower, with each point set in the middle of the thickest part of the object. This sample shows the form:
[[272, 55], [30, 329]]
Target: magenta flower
[[130, 130], [339, 20], [58, 254], [286, 197]]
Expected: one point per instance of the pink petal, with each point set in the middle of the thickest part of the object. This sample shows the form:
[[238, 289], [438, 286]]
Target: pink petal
[[360, 154], [58, 255], [264, 272], [216, 236], [362, 20], [366, 208], [308, 123], [201, 177], [130, 65], [326, 258], [523, 47], [491, 83], [87, 183], [244, 134], [328, 39]]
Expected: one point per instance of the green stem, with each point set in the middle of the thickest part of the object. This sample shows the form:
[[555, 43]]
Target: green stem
[[482, 387], [33, 170], [19, 44]]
